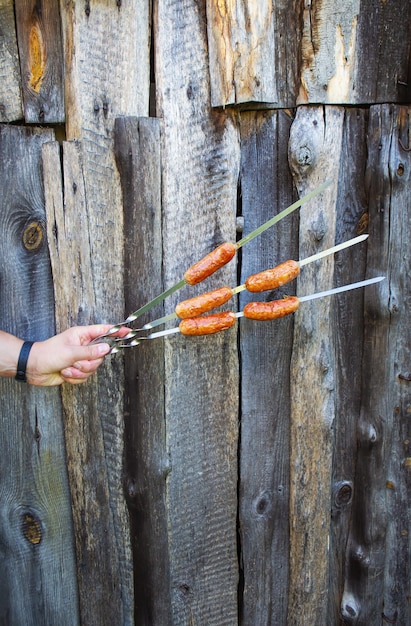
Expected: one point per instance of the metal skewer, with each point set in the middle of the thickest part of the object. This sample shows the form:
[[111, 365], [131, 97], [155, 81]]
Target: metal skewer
[[133, 341], [239, 244], [310, 259]]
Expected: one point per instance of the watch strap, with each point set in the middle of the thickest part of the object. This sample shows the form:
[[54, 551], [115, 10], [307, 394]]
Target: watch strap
[[22, 362]]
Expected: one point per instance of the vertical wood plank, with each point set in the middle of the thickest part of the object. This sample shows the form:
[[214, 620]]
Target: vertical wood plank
[[107, 63], [241, 38], [253, 48], [200, 159], [383, 68], [41, 60], [137, 150], [315, 134], [10, 84], [93, 434], [347, 321], [355, 52], [37, 566], [278, 54], [377, 564], [266, 186], [329, 52], [107, 74], [397, 567]]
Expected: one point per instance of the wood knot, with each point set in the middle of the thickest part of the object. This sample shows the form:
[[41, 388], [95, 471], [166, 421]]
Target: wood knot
[[263, 504], [362, 224], [33, 236], [303, 157], [37, 58], [305, 144], [343, 491], [31, 528], [400, 169], [349, 609]]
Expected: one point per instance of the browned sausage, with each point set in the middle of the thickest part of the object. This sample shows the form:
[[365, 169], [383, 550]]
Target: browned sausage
[[271, 310], [210, 263], [207, 324], [273, 278], [203, 303]]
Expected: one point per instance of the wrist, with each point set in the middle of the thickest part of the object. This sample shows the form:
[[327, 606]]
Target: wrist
[[9, 354]]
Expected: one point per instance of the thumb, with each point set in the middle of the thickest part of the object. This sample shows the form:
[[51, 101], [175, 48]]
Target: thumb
[[90, 352]]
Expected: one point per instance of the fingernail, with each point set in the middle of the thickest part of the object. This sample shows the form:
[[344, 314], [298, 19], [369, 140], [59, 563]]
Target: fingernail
[[103, 348]]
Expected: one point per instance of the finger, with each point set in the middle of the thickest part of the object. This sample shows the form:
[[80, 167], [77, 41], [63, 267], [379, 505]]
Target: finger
[[88, 367], [77, 354], [73, 375]]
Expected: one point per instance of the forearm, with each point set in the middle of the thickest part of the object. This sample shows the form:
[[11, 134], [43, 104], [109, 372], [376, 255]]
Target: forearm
[[10, 347]]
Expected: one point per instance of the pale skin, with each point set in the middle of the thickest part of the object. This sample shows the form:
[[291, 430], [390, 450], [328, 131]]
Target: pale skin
[[64, 358]]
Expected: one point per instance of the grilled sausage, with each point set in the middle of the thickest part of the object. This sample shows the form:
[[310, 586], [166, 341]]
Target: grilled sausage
[[207, 324], [203, 303], [271, 310], [273, 278], [210, 263]]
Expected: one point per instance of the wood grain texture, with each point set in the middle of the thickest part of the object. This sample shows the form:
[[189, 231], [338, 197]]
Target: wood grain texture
[[265, 375], [200, 159], [377, 558], [254, 52], [260, 476], [10, 83], [107, 75], [37, 573], [383, 69], [41, 60], [278, 54], [315, 134], [146, 464], [347, 319], [93, 432], [355, 52]]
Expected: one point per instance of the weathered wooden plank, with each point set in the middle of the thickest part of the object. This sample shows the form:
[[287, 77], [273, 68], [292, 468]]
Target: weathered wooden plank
[[10, 85], [253, 52], [397, 567], [377, 558], [266, 187], [107, 66], [41, 60], [93, 435], [329, 49], [137, 149], [37, 570], [107, 74], [315, 134], [200, 160], [347, 312], [278, 54], [383, 69], [355, 52]]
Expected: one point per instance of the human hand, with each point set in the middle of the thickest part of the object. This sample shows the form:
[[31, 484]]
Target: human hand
[[68, 357]]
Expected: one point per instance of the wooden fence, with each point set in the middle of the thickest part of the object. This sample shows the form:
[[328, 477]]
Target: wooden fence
[[262, 475]]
